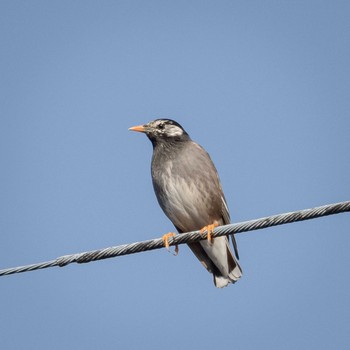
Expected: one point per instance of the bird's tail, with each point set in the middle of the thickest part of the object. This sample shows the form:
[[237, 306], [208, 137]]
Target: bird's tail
[[227, 269], [219, 260], [235, 272]]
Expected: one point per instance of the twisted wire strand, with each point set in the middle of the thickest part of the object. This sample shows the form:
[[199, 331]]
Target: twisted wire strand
[[183, 238]]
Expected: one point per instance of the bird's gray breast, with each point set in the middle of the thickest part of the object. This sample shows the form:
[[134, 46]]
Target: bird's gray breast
[[187, 186]]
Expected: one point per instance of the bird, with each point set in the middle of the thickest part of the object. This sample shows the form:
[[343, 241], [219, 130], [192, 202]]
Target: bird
[[188, 189]]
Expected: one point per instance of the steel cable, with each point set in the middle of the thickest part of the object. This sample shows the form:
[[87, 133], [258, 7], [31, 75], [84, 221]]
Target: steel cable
[[183, 238]]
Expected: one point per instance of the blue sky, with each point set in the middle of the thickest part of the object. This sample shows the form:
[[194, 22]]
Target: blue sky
[[262, 85]]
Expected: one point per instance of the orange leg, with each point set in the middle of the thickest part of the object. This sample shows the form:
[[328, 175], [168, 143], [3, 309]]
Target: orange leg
[[165, 239], [209, 229]]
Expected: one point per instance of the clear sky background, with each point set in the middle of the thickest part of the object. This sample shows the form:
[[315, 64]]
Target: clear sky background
[[264, 86]]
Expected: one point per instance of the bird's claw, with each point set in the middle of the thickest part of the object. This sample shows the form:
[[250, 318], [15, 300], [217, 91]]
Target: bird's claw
[[165, 239], [209, 229]]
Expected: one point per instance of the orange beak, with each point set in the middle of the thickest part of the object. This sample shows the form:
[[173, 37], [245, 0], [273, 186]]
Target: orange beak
[[139, 128]]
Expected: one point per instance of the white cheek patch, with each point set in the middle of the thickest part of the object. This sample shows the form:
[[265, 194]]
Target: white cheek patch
[[173, 130]]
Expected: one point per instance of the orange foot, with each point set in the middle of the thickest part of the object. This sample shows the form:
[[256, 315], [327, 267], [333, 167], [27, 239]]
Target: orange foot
[[165, 239], [209, 229]]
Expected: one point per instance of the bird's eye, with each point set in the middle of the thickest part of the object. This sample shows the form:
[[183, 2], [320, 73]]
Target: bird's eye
[[161, 126]]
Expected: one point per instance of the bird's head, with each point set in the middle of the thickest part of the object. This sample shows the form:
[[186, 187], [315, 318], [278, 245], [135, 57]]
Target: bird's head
[[163, 130]]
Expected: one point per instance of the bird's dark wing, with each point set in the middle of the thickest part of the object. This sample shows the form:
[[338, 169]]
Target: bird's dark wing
[[227, 220], [225, 214]]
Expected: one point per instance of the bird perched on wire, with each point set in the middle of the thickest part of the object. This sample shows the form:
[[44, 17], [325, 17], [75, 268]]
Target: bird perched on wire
[[188, 190]]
